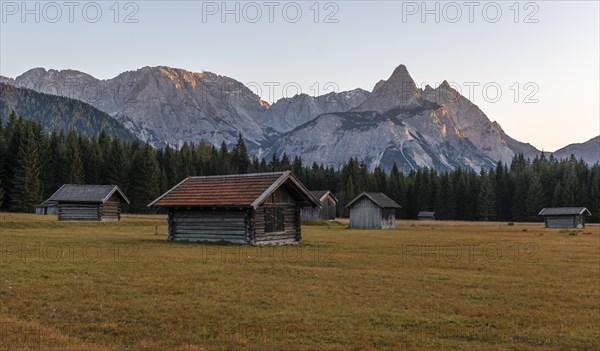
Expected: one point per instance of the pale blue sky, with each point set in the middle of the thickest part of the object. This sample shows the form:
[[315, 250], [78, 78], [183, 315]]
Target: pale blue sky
[[558, 53]]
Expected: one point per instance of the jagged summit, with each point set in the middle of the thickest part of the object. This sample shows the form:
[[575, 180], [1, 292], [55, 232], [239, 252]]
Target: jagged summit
[[445, 85], [398, 90], [396, 122]]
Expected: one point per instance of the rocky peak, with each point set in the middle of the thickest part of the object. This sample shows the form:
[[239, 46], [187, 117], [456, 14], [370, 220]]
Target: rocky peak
[[398, 90], [378, 85]]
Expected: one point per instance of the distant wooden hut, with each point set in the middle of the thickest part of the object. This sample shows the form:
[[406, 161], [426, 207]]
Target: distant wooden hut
[[372, 211], [564, 217], [47, 208], [259, 208], [325, 212], [426, 216], [76, 202]]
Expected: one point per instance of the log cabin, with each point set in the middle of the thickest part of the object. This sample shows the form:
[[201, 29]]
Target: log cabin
[[327, 210], [250, 209], [564, 217], [78, 202], [372, 211]]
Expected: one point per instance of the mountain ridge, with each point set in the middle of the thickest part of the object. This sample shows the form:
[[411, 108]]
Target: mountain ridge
[[163, 105], [59, 113], [588, 150]]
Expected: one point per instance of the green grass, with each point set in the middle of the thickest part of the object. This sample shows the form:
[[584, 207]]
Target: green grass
[[434, 285]]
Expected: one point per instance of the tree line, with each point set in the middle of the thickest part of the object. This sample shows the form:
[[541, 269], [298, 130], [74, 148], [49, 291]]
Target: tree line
[[34, 164]]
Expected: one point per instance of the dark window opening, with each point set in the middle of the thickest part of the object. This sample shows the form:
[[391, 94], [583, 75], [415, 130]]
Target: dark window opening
[[273, 220]]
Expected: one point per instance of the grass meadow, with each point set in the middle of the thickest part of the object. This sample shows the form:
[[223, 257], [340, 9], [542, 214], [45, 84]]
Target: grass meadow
[[422, 286]]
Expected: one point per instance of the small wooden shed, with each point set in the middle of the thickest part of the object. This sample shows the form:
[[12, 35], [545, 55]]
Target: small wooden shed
[[564, 217], [77, 202], [47, 208], [254, 209], [426, 216], [372, 211], [327, 210]]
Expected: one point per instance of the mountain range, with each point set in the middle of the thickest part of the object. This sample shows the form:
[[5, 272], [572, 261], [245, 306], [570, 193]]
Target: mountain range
[[59, 113], [589, 151], [395, 122]]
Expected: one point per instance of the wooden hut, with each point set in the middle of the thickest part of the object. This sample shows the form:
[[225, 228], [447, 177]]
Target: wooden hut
[[47, 208], [426, 216], [372, 211], [259, 208], [564, 217], [76, 202], [324, 213]]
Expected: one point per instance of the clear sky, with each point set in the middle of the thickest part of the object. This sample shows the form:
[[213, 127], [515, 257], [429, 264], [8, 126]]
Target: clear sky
[[542, 57]]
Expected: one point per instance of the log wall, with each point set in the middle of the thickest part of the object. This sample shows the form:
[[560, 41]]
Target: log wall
[[564, 221], [209, 225], [110, 211], [78, 212]]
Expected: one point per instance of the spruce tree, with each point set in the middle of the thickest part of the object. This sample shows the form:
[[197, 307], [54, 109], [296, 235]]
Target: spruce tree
[[486, 198], [144, 179], [26, 190], [571, 188], [239, 156], [75, 170], [558, 198], [595, 192], [535, 199]]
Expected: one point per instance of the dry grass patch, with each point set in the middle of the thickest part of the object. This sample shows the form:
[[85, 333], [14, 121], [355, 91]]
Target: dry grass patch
[[434, 285]]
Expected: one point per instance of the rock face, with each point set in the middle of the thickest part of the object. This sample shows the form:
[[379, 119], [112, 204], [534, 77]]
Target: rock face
[[397, 122], [486, 135], [414, 138], [589, 151], [436, 128], [398, 90], [162, 105], [288, 113]]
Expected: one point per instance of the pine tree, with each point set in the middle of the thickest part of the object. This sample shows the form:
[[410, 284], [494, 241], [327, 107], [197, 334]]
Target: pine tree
[[284, 164], [26, 190], [2, 163], [144, 180], [75, 170], [239, 156], [171, 165], [444, 198], [571, 188], [535, 199], [558, 197], [297, 168], [224, 159], [486, 198], [59, 162], [520, 180], [116, 167], [397, 187], [595, 192]]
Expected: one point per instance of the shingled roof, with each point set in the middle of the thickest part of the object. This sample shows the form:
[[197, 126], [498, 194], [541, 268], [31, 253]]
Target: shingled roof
[[85, 193], [564, 211], [378, 198], [232, 190]]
